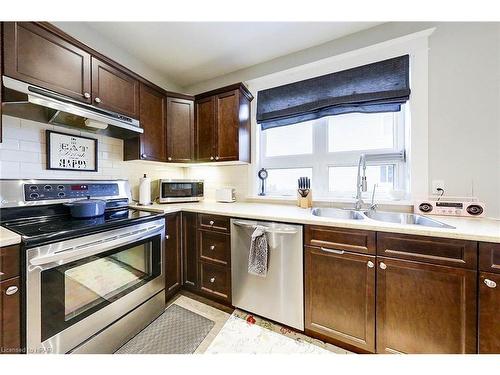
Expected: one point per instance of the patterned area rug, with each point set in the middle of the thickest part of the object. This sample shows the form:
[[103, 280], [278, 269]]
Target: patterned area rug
[[250, 334], [176, 331]]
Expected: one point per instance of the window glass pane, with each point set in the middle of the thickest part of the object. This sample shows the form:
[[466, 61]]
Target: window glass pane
[[290, 140], [284, 181], [360, 131], [343, 179]]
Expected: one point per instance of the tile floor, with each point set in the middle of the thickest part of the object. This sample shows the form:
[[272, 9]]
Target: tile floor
[[241, 332]]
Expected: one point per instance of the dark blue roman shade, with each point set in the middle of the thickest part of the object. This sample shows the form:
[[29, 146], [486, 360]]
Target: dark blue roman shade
[[378, 87]]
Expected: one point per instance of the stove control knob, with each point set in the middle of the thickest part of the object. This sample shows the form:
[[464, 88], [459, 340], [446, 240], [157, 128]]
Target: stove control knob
[[47, 187], [60, 187], [61, 194], [33, 188], [34, 195]]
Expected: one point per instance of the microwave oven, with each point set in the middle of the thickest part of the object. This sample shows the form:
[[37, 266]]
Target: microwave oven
[[175, 191]]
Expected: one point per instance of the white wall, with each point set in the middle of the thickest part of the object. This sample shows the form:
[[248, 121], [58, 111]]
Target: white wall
[[93, 39], [464, 99], [23, 155]]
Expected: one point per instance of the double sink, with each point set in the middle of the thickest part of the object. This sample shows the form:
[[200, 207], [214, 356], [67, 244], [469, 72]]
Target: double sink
[[387, 217]]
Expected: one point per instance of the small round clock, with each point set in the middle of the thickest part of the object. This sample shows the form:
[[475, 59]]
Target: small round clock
[[262, 175]]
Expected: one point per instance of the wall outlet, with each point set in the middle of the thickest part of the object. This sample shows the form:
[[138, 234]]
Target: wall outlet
[[437, 184]]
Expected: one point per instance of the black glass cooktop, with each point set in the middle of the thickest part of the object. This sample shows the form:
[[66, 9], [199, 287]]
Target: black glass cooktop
[[49, 229]]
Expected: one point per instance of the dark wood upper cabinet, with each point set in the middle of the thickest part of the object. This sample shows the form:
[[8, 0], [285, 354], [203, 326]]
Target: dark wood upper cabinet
[[152, 144], [489, 306], [173, 262], [223, 124], [35, 55], [180, 130], [205, 129], [114, 90], [425, 308], [340, 296], [189, 250]]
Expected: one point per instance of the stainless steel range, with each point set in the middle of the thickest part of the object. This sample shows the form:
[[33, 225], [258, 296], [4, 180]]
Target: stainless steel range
[[90, 284]]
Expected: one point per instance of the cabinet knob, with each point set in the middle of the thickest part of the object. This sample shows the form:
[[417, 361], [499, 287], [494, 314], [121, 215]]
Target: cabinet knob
[[169, 158], [211, 222], [167, 237], [144, 156], [86, 95], [97, 100], [216, 158], [212, 280], [383, 266], [490, 283], [11, 290], [212, 247], [211, 158], [370, 264]]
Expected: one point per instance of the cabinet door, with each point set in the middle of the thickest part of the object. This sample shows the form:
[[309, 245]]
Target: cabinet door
[[489, 306], [340, 296], [227, 122], [114, 90], [10, 316], [180, 130], [425, 308], [153, 118], [189, 250], [205, 129], [37, 56], [173, 276]]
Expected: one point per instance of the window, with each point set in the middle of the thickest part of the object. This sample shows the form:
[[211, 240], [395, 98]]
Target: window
[[328, 149]]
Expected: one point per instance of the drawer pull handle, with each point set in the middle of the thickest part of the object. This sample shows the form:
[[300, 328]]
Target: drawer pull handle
[[370, 264], [490, 283], [212, 280], [383, 266], [11, 290], [212, 247], [340, 252], [211, 222]]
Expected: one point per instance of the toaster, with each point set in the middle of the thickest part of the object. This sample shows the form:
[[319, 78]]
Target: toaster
[[227, 195]]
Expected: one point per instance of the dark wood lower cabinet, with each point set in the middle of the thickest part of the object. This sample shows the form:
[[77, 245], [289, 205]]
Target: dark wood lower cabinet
[[425, 308], [190, 250], [173, 263], [489, 308], [340, 296], [10, 316]]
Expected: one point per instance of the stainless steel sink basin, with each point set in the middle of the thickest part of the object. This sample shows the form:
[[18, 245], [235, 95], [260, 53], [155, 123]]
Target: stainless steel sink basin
[[337, 213], [404, 218]]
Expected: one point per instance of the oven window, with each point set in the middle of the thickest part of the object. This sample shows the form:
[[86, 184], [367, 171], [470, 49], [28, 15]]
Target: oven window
[[72, 291], [176, 190]]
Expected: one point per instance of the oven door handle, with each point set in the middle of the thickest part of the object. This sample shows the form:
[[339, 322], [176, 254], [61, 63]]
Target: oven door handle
[[99, 246]]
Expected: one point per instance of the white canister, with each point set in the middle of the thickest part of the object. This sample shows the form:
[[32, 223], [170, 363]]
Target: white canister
[[145, 191]]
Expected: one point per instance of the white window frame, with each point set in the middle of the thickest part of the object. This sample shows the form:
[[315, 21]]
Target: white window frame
[[320, 160], [416, 114]]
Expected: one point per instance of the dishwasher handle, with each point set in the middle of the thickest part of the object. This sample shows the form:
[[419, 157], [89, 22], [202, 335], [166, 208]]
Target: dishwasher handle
[[279, 230]]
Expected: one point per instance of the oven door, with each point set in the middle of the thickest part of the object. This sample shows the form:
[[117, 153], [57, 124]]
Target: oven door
[[78, 287]]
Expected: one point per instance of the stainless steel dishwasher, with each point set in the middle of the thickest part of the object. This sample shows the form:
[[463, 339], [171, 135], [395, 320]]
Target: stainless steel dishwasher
[[280, 295]]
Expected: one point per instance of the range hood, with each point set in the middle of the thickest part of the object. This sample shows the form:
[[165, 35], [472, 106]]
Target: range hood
[[30, 102]]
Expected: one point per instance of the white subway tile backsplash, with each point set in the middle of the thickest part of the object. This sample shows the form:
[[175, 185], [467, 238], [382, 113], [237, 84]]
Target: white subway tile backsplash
[[9, 169], [9, 144]]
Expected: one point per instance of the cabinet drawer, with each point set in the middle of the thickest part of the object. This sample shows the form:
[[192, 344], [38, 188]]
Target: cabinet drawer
[[359, 241], [214, 222], [215, 280], [9, 262], [489, 257], [214, 246], [445, 251], [10, 316]]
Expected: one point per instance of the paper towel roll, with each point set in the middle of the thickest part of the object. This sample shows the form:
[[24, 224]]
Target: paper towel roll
[[144, 190]]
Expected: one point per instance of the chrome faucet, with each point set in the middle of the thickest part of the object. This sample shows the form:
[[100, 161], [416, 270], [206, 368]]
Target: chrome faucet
[[373, 205], [361, 185]]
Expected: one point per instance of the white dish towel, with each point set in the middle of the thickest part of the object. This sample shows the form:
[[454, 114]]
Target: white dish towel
[[257, 258]]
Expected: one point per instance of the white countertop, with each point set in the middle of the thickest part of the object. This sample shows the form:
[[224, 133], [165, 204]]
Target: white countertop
[[476, 229], [7, 237]]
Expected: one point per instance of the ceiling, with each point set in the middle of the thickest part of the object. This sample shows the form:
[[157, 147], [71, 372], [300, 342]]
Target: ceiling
[[191, 52]]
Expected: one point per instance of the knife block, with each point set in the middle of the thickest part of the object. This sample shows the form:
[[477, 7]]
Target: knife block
[[304, 202]]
